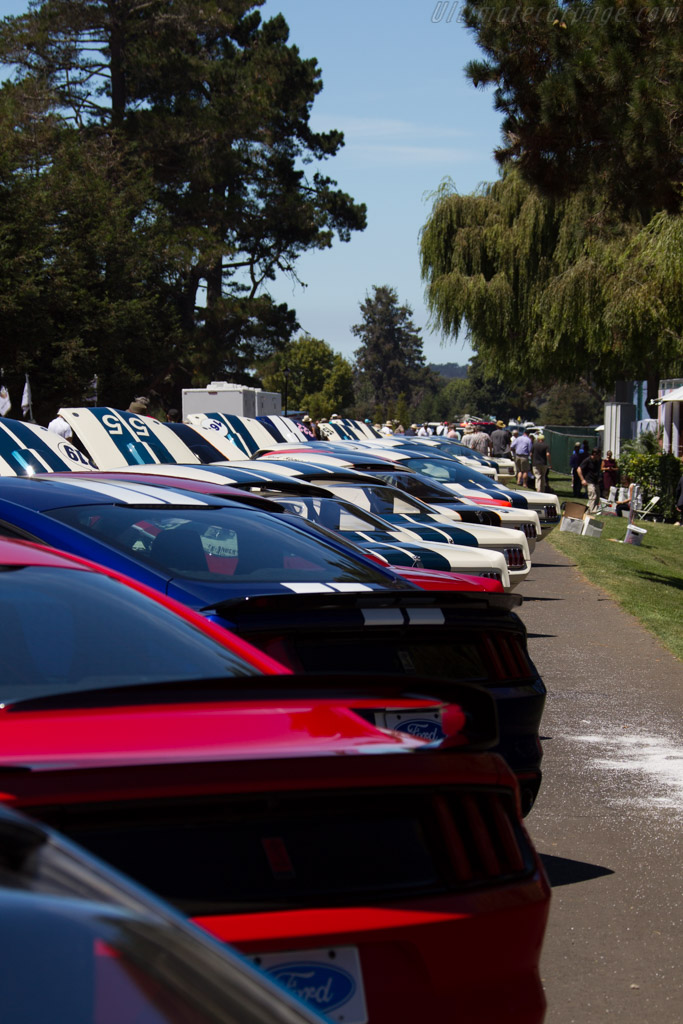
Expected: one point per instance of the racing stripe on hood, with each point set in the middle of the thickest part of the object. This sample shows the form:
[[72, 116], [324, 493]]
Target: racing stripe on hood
[[27, 448], [131, 493]]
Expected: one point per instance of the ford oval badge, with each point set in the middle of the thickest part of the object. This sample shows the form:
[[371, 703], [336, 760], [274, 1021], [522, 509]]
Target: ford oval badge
[[320, 985], [421, 728]]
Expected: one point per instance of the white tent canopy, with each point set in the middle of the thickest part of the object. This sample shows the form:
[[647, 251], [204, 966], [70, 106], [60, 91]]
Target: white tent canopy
[[673, 396]]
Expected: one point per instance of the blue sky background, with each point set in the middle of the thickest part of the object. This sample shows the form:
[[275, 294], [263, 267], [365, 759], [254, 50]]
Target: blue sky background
[[394, 84]]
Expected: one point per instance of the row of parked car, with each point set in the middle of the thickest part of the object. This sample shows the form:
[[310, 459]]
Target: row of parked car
[[266, 680]]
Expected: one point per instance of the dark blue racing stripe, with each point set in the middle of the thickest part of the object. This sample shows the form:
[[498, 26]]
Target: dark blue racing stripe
[[25, 451], [134, 441]]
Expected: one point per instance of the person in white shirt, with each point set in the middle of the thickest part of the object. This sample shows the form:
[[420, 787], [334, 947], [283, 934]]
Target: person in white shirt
[[59, 426]]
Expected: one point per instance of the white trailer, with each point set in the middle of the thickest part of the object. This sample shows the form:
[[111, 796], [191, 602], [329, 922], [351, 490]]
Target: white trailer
[[235, 399]]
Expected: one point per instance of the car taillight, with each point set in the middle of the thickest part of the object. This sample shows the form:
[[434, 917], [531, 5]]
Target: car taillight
[[507, 657], [514, 557]]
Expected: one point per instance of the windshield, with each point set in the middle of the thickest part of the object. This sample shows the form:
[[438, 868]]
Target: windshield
[[223, 544], [419, 486], [334, 514], [64, 629], [436, 468], [381, 501]]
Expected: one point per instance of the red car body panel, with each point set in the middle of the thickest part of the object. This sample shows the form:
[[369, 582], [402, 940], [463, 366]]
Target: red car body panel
[[472, 954], [435, 579]]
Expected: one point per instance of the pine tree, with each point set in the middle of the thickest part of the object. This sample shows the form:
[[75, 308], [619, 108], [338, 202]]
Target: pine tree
[[390, 360], [591, 95]]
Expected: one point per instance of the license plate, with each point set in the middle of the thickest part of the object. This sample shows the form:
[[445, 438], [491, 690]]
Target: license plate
[[423, 725], [328, 979]]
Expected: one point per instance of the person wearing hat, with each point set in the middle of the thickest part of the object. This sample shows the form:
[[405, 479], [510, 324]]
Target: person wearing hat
[[575, 460], [387, 428], [467, 434], [480, 441], [411, 431], [500, 439], [139, 406]]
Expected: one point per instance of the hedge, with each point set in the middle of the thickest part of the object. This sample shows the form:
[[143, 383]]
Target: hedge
[[657, 475]]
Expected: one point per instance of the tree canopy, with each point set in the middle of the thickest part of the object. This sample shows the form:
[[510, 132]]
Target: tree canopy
[[314, 377], [154, 177], [553, 290], [591, 93]]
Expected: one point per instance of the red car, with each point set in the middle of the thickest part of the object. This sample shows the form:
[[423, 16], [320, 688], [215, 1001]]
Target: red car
[[381, 878]]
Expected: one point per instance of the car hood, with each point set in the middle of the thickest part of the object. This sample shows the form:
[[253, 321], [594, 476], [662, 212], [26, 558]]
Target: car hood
[[27, 449], [114, 438]]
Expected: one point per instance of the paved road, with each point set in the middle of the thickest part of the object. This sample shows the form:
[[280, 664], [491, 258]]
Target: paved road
[[609, 818]]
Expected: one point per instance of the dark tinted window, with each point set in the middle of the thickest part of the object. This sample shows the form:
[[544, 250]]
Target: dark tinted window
[[63, 629], [222, 544]]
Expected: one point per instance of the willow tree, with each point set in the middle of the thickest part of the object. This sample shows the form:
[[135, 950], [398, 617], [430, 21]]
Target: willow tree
[[554, 290]]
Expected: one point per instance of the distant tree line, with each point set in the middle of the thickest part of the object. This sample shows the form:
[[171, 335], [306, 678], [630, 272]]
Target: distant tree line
[[389, 380]]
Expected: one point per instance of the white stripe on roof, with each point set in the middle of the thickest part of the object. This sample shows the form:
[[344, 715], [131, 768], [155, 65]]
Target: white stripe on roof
[[131, 493]]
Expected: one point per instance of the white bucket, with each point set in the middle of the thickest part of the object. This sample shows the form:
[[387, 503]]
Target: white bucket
[[634, 534]]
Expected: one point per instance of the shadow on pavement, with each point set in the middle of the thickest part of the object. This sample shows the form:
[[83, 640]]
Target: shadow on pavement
[[542, 598], [562, 871], [541, 636], [552, 565]]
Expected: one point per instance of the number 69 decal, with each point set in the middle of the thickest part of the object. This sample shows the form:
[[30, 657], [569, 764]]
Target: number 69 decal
[[72, 453]]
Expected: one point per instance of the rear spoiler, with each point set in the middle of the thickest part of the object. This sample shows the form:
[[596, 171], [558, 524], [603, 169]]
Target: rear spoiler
[[477, 725], [243, 608]]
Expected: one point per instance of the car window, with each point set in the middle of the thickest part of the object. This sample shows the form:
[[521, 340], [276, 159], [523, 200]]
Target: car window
[[65, 629], [334, 514], [222, 544], [434, 469], [379, 500]]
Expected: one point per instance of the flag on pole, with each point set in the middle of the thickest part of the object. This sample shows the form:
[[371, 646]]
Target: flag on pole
[[5, 403], [26, 404]]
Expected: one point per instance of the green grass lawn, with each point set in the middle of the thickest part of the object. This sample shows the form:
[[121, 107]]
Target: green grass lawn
[[646, 579]]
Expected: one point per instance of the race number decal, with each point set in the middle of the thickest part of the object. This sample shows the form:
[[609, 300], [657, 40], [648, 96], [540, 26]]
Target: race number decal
[[138, 426], [72, 454], [112, 424]]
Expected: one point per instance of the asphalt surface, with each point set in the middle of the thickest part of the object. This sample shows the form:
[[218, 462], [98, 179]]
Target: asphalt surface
[[608, 822]]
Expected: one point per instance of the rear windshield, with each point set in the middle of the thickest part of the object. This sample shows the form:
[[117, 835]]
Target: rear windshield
[[219, 544], [64, 629]]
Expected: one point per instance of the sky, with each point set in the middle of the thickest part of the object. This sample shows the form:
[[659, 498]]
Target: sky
[[394, 83]]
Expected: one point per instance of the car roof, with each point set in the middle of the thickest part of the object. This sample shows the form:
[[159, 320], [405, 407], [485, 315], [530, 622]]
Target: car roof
[[50, 491], [215, 487]]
